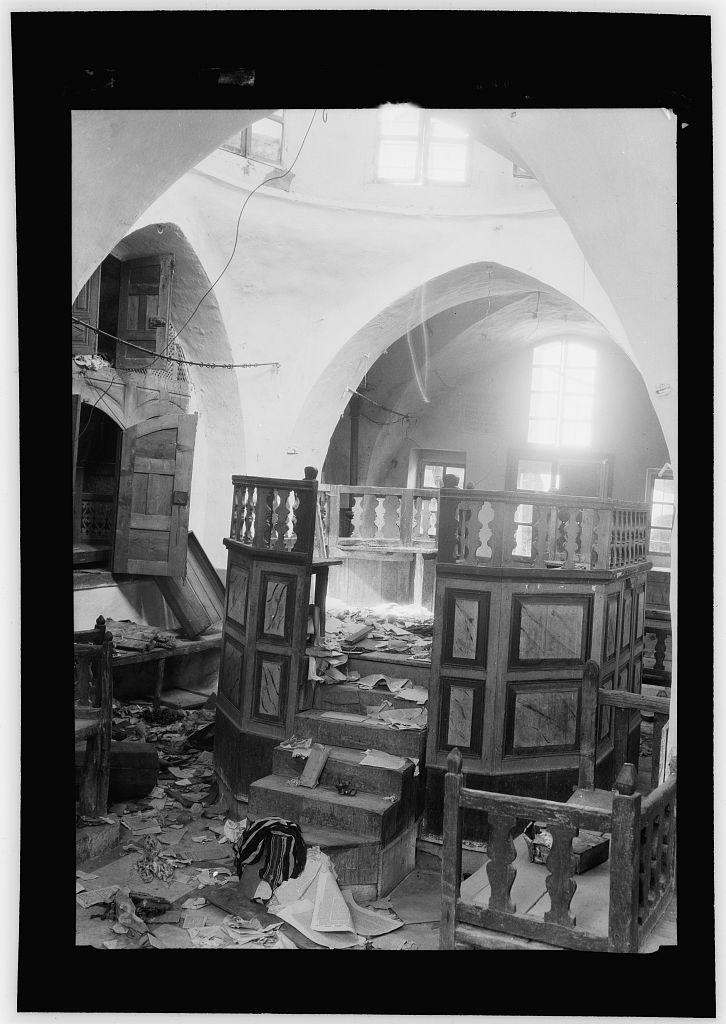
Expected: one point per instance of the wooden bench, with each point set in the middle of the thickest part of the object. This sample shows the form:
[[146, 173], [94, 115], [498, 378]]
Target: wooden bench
[[93, 692], [640, 873]]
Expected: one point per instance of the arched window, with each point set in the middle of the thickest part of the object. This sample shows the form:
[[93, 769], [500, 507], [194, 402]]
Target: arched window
[[562, 395]]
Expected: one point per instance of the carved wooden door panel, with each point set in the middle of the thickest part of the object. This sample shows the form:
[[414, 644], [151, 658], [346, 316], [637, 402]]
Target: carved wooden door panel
[[83, 341], [152, 517], [144, 307]]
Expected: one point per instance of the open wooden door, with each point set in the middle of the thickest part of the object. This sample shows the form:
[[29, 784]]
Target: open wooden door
[[152, 517]]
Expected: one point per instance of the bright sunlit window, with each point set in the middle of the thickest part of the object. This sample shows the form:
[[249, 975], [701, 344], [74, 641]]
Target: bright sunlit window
[[562, 395], [661, 495], [261, 141], [417, 148]]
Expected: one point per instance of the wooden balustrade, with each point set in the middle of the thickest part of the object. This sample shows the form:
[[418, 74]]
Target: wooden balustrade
[[642, 865], [274, 515], [378, 517], [528, 528]]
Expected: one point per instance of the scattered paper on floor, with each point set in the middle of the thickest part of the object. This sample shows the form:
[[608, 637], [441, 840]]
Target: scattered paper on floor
[[369, 922], [381, 759]]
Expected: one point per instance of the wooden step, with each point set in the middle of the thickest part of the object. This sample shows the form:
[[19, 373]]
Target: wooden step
[[343, 765], [366, 814], [400, 666], [360, 735], [349, 697]]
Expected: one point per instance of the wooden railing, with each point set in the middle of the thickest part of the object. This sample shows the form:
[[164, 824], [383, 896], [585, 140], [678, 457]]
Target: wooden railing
[[274, 515], [660, 629], [379, 517], [529, 528], [642, 866]]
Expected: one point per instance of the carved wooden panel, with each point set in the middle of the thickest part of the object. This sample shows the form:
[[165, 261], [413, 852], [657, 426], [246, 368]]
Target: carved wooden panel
[[640, 616], [232, 666], [549, 630], [604, 714], [277, 600], [237, 586], [462, 709], [627, 618], [542, 717], [466, 627], [269, 698], [611, 626]]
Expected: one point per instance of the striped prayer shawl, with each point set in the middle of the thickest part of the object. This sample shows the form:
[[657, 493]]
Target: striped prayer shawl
[[282, 844]]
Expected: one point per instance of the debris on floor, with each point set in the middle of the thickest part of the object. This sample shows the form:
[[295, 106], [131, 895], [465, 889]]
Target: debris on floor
[[393, 628]]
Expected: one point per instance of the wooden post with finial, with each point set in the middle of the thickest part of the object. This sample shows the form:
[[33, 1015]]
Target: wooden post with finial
[[451, 852], [624, 863]]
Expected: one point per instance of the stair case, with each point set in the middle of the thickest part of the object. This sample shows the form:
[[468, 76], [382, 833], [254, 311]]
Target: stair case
[[370, 837]]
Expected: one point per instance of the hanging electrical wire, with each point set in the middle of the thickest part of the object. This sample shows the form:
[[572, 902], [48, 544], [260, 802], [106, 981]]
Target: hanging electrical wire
[[174, 359], [403, 415], [265, 181], [416, 373]]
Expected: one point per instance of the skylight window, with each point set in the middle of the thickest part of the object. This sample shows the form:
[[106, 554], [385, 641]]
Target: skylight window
[[417, 148]]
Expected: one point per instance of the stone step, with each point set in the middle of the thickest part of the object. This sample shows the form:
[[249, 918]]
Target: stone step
[[360, 734], [349, 697], [365, 814], [343, 765]]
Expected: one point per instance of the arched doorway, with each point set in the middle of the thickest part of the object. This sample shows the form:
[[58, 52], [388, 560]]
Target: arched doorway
[[96, 448]]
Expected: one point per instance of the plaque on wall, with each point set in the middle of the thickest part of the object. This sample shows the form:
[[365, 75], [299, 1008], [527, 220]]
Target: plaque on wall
[[549, 630]]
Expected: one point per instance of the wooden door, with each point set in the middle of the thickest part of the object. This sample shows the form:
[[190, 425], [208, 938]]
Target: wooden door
[[143, 309], [152, 516], [83, 341]]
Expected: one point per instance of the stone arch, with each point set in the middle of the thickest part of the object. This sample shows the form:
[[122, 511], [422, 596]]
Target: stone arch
[[465, 284]]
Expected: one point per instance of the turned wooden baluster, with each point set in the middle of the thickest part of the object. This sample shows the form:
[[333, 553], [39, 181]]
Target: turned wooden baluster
[[379, 516], [293, 503], [539, 527], [357, 519], [550, 551], [560, 882], [234, 524], [587, 526], [433, 511], [280, 514], [461, 536], [508, 532], [569, 535], [249, 515], [660, 650], [502, 854]]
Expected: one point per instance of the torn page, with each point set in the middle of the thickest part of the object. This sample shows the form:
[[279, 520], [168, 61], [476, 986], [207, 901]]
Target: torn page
[[416, 694], [295, 888], [380, 759], [369, 922], [300, 914], [395, 684], [330, 911], [368, 682]]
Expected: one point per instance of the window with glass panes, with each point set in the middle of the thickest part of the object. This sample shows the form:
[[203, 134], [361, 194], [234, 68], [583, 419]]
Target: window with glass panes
[[661, 495], [416, 148], [562, 395], [261, 141]]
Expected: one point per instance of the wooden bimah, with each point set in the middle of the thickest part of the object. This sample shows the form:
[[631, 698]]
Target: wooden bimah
[[263, 680]]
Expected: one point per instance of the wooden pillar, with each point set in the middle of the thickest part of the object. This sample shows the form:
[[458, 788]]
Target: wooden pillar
[[624, 860], [451, 852]]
